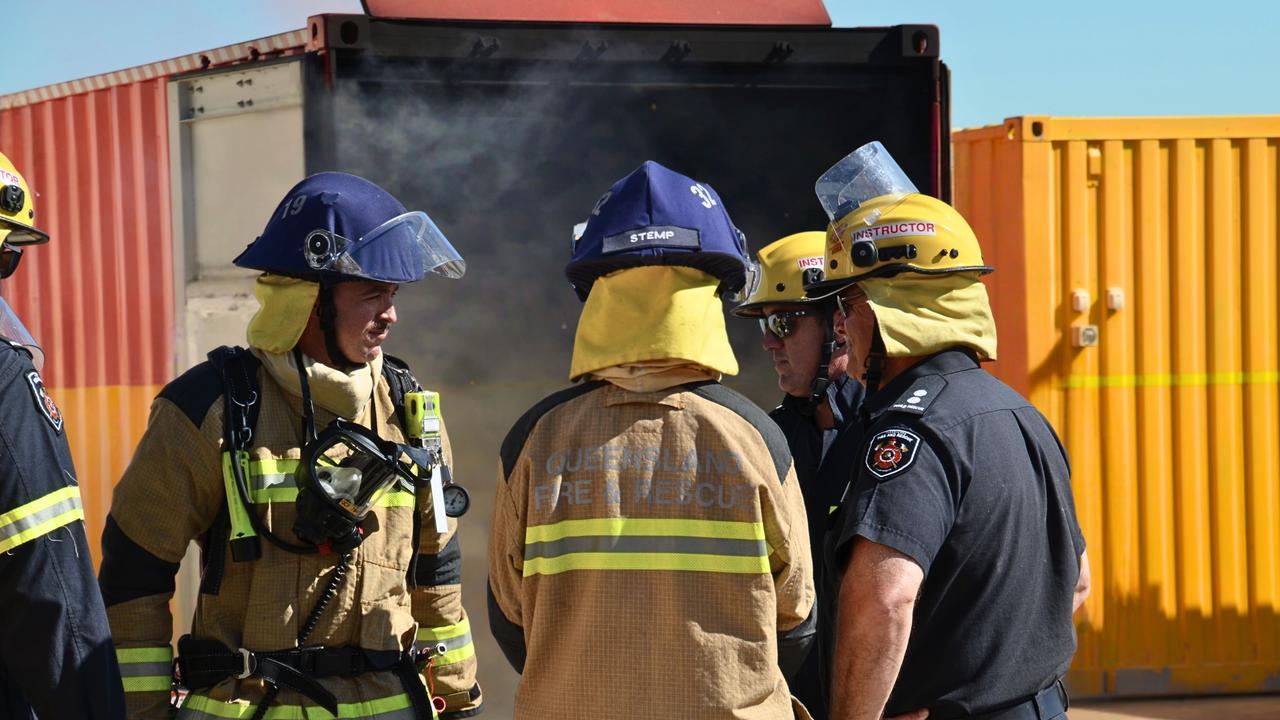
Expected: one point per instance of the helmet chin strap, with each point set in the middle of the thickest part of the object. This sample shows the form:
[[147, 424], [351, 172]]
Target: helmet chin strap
[[874, 363], [821, 381], [328, 326]]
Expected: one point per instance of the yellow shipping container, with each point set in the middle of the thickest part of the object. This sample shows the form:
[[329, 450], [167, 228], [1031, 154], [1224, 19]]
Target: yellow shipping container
[[1136, 300]]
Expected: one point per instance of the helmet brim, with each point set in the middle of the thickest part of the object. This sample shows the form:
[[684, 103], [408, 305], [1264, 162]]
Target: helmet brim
[[827, 288], [19, 234]]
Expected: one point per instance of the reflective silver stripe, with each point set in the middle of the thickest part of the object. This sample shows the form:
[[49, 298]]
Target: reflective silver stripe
[[456, 642], [645, 544], [28, 522], [214, 710], [188, 714], [145, 669]]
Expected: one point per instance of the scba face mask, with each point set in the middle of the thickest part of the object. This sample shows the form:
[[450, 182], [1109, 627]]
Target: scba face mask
[[343, 473]]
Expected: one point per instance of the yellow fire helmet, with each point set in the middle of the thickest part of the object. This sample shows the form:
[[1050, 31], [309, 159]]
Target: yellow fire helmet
[[914, 256], [17, 213], [784, 265], [882, 226]]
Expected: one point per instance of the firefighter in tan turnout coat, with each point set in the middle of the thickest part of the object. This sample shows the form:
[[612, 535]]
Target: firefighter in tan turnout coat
[[299, 614], [649, 554]]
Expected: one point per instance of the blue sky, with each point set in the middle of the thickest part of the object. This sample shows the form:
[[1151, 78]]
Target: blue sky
[[1085, 57]]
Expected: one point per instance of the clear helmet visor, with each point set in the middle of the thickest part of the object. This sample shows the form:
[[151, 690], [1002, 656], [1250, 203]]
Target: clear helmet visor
[[12, 328], [750, 284], [868, 172], [401, 250]]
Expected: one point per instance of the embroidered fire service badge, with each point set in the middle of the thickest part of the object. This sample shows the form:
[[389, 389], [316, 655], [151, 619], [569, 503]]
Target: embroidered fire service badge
[[891, 452], [44, 403]]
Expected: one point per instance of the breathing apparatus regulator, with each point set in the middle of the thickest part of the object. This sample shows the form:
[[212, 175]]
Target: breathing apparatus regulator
[[347, 468]]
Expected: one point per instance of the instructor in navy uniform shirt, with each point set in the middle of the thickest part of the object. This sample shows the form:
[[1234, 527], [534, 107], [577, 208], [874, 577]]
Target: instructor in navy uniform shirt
[[961, 555]]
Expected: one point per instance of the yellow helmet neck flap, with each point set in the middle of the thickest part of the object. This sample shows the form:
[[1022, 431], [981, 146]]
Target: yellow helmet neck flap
[[654, 313], [285, 305], [919, 315]]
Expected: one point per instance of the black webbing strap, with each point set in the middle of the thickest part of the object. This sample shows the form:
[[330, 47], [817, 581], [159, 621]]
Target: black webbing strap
[[400, 382], [413, 687], [204, 662], [238, 370]]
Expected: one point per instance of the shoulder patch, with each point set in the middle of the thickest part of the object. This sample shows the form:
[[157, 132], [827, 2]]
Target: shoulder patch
[[774, 439], [891, 451], [921, 393], [44, 403], [514, 442]]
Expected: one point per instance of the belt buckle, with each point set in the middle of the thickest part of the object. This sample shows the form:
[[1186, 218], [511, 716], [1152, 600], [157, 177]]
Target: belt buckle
[[248, 663]]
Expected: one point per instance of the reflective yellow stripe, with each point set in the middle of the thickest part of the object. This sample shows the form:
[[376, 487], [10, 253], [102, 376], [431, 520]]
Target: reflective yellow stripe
[[455, 638], [445, 633], [1200, 379], [271, 480], [721, 529], [395, 498], [457, 656], [719, 546], [198, 707], [147, 683], [40, 517], [144, 654], [646, 561], [145, 669]]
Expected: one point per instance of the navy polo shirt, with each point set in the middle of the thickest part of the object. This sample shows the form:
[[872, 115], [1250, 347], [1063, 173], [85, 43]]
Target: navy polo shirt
[[961, 474]]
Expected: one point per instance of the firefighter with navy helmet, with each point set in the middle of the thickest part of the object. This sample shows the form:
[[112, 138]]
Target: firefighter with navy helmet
[[310, 469], [957, 547], [649, 554], [56, 658]]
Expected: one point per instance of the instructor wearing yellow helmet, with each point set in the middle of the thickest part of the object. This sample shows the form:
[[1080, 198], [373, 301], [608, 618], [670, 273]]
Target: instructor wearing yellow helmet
[[56, 659], [818, 415], [961, 554]]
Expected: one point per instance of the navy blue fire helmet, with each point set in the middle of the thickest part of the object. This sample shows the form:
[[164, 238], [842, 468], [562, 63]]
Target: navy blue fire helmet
[[656, 216], [335, 226]]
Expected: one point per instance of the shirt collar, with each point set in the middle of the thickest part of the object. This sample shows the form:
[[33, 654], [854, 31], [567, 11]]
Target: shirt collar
[[943, 363], [844, 395]]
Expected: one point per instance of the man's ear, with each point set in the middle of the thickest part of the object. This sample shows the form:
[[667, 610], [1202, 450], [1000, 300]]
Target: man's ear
[[837, 326]]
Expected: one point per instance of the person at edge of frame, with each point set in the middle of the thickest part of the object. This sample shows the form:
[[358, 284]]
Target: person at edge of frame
[[327, 580], [56, 657], [962, 558], [649, 554], [818, 414]]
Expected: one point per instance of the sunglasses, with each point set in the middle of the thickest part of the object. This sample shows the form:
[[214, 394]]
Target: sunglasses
[[10, 256], [846, 303], [781, 323]]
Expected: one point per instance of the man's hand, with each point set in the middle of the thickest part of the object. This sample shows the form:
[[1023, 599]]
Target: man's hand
[[877, 598], [1082, 584]]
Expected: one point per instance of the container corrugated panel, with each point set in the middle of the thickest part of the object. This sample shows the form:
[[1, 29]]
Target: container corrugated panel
[[99, 297], [1157, 237]]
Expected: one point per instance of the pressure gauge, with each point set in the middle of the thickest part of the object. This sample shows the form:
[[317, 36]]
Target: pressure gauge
[[456, 500]]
